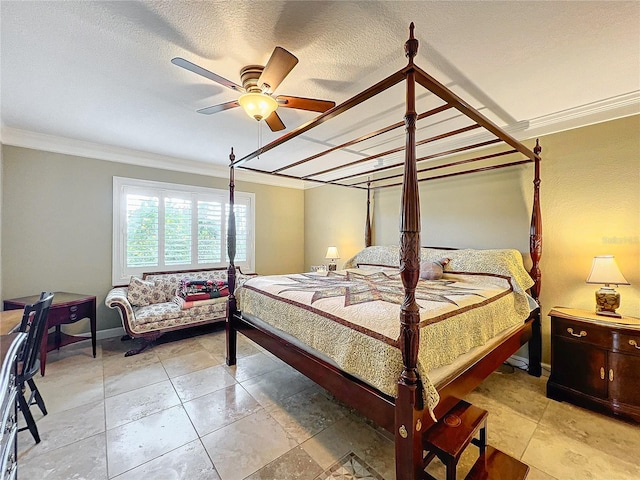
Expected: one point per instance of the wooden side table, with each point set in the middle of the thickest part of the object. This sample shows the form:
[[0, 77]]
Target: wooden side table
[[595, 361], [66, 308]]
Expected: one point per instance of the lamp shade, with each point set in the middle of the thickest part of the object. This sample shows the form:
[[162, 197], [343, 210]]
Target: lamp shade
[[332, 253], [605, 270], [258, 105]]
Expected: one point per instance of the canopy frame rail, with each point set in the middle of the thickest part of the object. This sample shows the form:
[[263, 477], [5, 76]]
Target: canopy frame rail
[[421, 159], [465, 172], [437, 88], [402, 148], [293, 177], [437, 167], [450, 100], [367, 136]]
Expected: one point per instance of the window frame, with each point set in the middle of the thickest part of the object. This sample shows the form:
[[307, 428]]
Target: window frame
[[121, 274]]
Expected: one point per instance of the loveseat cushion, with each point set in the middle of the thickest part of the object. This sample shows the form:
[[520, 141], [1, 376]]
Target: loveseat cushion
[[144, 292], [171, 311]]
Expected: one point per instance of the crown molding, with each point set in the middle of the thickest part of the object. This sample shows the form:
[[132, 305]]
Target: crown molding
[[606, 110], [69, 146], [592, 113]]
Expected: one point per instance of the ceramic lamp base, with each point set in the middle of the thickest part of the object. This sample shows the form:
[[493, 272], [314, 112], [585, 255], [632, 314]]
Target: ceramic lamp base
[[607, 300], [333, 267]]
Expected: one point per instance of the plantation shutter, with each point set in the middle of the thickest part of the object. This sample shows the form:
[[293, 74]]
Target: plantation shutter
[[177, 231], [142, 230], [161, 226], [209, 232]]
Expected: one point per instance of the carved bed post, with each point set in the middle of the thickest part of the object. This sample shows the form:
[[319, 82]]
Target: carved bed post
[[367, 227], [535, 248], [231, 333], [409, 463]]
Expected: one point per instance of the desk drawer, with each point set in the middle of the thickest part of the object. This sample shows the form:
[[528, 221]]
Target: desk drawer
[[626, 343], [69, 314], [581, 331]]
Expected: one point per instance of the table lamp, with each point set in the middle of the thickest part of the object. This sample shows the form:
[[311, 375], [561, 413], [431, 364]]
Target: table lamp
[[605, 270], [332, 255]]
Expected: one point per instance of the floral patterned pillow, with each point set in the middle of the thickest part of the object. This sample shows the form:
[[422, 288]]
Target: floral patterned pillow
[[142, 293]]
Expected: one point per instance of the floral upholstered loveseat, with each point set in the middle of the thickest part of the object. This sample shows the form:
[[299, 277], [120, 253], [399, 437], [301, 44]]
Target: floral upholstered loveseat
[[149, 306]]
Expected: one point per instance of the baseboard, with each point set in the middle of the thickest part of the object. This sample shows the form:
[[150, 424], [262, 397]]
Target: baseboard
[[102, 334], [519, 361]]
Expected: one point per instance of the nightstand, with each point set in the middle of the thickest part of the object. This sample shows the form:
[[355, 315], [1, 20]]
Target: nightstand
[[595, 361]]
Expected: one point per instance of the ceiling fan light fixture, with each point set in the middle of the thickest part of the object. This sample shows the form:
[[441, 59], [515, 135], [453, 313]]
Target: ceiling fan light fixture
[[258, 105]]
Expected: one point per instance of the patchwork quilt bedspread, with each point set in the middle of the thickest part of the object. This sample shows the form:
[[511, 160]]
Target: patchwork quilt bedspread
[[352, 316]]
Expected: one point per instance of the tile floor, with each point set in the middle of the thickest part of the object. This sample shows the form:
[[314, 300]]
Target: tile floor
[[178, 412]]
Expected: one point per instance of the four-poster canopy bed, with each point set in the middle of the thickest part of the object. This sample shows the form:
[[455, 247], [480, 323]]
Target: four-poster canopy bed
[[407, 412]]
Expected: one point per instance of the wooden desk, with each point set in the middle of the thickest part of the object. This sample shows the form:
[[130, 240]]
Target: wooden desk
[[66, 308], [9, 320]]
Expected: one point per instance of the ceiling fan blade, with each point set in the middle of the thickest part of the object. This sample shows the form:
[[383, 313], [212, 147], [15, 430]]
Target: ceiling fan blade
[[310, 104], [192, 67], [277, 68], [274, 122], [219, 108]]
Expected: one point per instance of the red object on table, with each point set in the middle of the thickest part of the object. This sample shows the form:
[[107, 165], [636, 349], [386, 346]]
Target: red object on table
[[66, 308]]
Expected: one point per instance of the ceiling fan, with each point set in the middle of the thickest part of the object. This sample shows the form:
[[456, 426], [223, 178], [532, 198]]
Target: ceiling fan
[[258, 85]]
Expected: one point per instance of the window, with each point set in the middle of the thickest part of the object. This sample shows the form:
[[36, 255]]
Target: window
[[162, 227]]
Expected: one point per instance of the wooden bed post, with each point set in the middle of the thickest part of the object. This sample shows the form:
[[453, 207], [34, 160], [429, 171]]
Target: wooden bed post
[[231, 333], [535, 248], [367, 227], [408, 434]]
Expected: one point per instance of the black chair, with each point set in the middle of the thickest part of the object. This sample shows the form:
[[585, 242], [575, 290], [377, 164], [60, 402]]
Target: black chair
[[34, 324]]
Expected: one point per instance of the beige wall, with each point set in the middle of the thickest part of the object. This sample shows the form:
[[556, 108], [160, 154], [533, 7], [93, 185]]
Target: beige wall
[[590, 206], [333, 216], [57, 223]]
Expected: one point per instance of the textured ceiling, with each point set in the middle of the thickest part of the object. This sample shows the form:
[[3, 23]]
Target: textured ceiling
[[95, 77]]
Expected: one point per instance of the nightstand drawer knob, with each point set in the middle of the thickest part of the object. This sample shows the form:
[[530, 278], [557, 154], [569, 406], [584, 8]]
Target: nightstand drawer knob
[[601, 373], [611, 374], [581, 334], [633, 343]]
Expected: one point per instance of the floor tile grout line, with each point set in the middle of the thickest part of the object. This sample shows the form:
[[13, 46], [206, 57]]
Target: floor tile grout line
[[159, 456], [209, 456]]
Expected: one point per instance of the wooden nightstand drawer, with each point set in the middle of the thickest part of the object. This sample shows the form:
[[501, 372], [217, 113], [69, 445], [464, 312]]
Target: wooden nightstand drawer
[[581, 331], [626, 343]]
